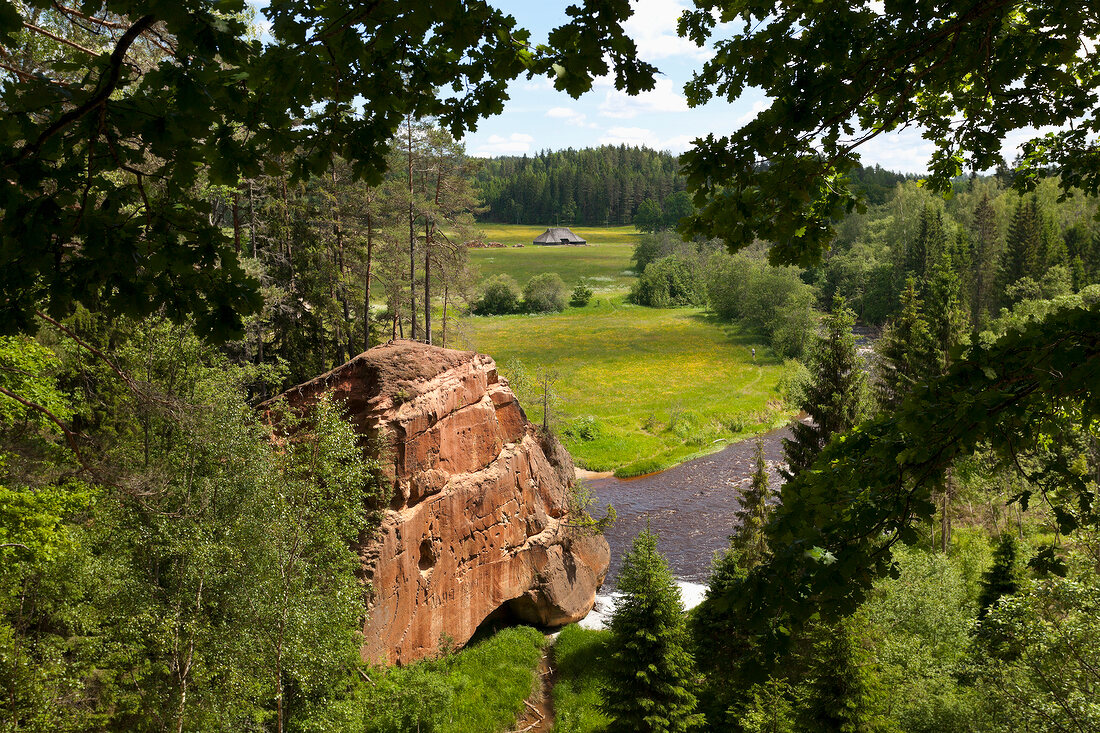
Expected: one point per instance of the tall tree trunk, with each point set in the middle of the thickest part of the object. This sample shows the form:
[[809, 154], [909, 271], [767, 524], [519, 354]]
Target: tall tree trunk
[[251, 219], [446, 295], [236, 223], [412, 238], [427, 283], [366, 280], [341, 293]]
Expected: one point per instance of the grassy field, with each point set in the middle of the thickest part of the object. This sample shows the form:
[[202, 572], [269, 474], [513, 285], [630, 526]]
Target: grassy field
[[479, 689], [640, 389], [604, 265], [578, 656]]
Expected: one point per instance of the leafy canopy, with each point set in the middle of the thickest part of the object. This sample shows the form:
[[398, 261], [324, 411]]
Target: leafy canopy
[[839, 74], [106, 144]]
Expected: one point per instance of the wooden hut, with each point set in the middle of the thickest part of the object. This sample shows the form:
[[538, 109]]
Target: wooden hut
[[558, 235]]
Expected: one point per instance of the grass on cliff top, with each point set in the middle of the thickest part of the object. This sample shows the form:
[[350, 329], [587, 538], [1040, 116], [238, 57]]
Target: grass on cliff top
[[579, 659], [604, 265], [479, 689], [639, 389]]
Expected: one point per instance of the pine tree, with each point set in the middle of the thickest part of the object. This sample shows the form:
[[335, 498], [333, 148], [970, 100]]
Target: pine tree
[[650, 671], [905, 353], [750, 543], [834, 399]]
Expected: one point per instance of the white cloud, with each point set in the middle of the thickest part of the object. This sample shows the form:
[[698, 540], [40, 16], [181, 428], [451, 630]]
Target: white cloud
[[757, 107], [515, 144], [569, 116], [662, 98], [635, 136], [653, 28]]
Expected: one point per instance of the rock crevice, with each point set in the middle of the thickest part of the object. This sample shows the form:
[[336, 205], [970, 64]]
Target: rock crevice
[[479, 513]]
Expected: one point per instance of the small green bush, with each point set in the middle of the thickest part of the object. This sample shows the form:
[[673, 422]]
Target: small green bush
[[584, 428], [544, 293], [581, 296], [671, 281], [501, 296]]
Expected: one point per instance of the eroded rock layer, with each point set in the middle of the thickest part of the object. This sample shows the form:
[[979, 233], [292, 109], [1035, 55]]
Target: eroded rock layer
[[479, 516]]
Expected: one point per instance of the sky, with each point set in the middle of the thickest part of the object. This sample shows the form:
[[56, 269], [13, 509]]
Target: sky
[[539, 118]]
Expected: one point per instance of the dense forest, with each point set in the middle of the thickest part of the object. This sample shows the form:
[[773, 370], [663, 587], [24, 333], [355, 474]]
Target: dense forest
[[603, 186]]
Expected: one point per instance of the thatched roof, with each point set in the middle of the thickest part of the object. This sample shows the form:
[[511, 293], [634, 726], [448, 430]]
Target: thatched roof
[[558, 235]]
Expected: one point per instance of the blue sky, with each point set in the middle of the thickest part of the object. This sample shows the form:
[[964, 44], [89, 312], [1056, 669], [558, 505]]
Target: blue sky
[[537, 117]]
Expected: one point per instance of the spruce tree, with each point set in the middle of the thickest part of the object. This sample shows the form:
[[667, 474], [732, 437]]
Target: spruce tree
[[750, 543], [834, 399], [931, 240], [1021, 255], [905, 353], [1002, 578], [841, 685], [986, 253], [947, 321], [651, 670]]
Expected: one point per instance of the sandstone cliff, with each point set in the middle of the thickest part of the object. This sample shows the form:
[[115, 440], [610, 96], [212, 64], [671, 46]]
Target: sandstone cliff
[[478, 520]]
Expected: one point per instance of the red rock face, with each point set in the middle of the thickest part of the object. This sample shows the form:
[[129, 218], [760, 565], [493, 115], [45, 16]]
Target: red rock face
[[479, 515]]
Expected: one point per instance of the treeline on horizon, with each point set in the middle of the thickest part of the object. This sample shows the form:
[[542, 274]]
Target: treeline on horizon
[[603, 186]]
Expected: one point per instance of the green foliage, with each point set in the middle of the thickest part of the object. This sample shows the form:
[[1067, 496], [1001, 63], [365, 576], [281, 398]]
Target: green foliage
[[581, 296], [649, 681], [209, 108], [833, 529], [544, 293], [605, 185], [480, 689], [1046, 677], [1003, 578], [499, 296], [671, 281], [580, 658], [833, 67], [919, 629], [749, 543], [771, 300], [835, 396], [648, 217], [841, 686], [904, 352], [770, 710], [197, 587]]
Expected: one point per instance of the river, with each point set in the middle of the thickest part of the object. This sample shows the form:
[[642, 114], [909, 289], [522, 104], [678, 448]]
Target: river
[[692, 508]]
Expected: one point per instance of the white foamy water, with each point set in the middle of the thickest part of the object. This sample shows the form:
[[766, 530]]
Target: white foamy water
[[691, 594]]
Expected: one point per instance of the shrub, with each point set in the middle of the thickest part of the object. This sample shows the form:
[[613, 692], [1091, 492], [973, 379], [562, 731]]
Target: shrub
[[544, 293], [581, 296], [501, 295], [675, 280]]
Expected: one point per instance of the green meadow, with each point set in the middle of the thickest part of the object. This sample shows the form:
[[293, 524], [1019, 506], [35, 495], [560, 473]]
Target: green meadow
[[603, 265], [637, 389]]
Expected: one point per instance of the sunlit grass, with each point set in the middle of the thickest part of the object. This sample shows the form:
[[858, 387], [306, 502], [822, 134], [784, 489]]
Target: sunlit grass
[[604, 264], [578, 656], [640, 388]]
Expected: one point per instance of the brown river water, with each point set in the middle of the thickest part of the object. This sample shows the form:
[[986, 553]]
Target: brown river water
[[691, 506]]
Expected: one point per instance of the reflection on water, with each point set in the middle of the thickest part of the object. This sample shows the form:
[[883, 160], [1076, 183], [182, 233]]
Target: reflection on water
[[691, 506]]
